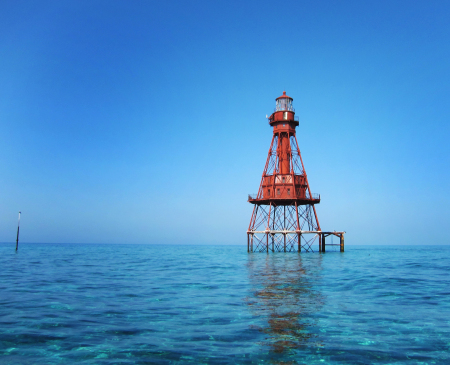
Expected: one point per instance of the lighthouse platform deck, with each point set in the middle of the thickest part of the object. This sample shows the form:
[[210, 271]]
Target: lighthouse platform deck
[[253, 199]]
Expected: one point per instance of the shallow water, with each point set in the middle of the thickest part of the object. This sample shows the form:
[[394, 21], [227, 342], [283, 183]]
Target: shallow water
[[157, 304]]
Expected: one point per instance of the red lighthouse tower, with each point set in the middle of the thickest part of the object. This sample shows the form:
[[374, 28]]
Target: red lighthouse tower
[[284, 215]]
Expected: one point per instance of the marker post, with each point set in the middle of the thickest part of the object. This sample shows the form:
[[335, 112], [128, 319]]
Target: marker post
[[17, 239]]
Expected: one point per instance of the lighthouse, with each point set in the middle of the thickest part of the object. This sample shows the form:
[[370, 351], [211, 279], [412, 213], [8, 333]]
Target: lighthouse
[[284, 214]]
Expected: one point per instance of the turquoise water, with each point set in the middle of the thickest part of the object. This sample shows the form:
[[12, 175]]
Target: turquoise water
[[156, 304]]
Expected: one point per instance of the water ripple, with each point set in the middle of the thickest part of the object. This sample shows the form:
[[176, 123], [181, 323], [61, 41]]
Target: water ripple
[[142, 304]]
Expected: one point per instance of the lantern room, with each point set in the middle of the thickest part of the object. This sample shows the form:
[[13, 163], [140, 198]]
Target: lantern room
[[284, 112], [284, 103]]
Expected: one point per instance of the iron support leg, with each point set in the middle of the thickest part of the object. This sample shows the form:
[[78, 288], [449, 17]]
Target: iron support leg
[[323, 243], [342, 243]]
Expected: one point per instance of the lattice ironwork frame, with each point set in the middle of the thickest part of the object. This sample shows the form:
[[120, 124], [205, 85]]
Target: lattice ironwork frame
[[279, 228]]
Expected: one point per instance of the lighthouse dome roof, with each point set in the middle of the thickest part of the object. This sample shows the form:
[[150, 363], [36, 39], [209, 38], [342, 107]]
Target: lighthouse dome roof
[[284, 96]]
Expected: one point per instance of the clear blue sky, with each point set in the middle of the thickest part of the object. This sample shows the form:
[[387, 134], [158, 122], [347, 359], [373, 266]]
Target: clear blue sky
[[144, 121]]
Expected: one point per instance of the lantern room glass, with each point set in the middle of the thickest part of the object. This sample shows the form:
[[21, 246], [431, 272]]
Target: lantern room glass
[[284, 104]]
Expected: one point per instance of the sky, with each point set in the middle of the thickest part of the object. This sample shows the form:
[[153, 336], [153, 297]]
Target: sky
[[144, 121]]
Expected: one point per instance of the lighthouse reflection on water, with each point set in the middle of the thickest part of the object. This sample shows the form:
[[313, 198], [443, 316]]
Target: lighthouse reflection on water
[[284, 298]]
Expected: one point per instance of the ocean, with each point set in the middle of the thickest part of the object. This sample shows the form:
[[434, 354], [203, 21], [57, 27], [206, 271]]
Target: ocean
[[180, 304]]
